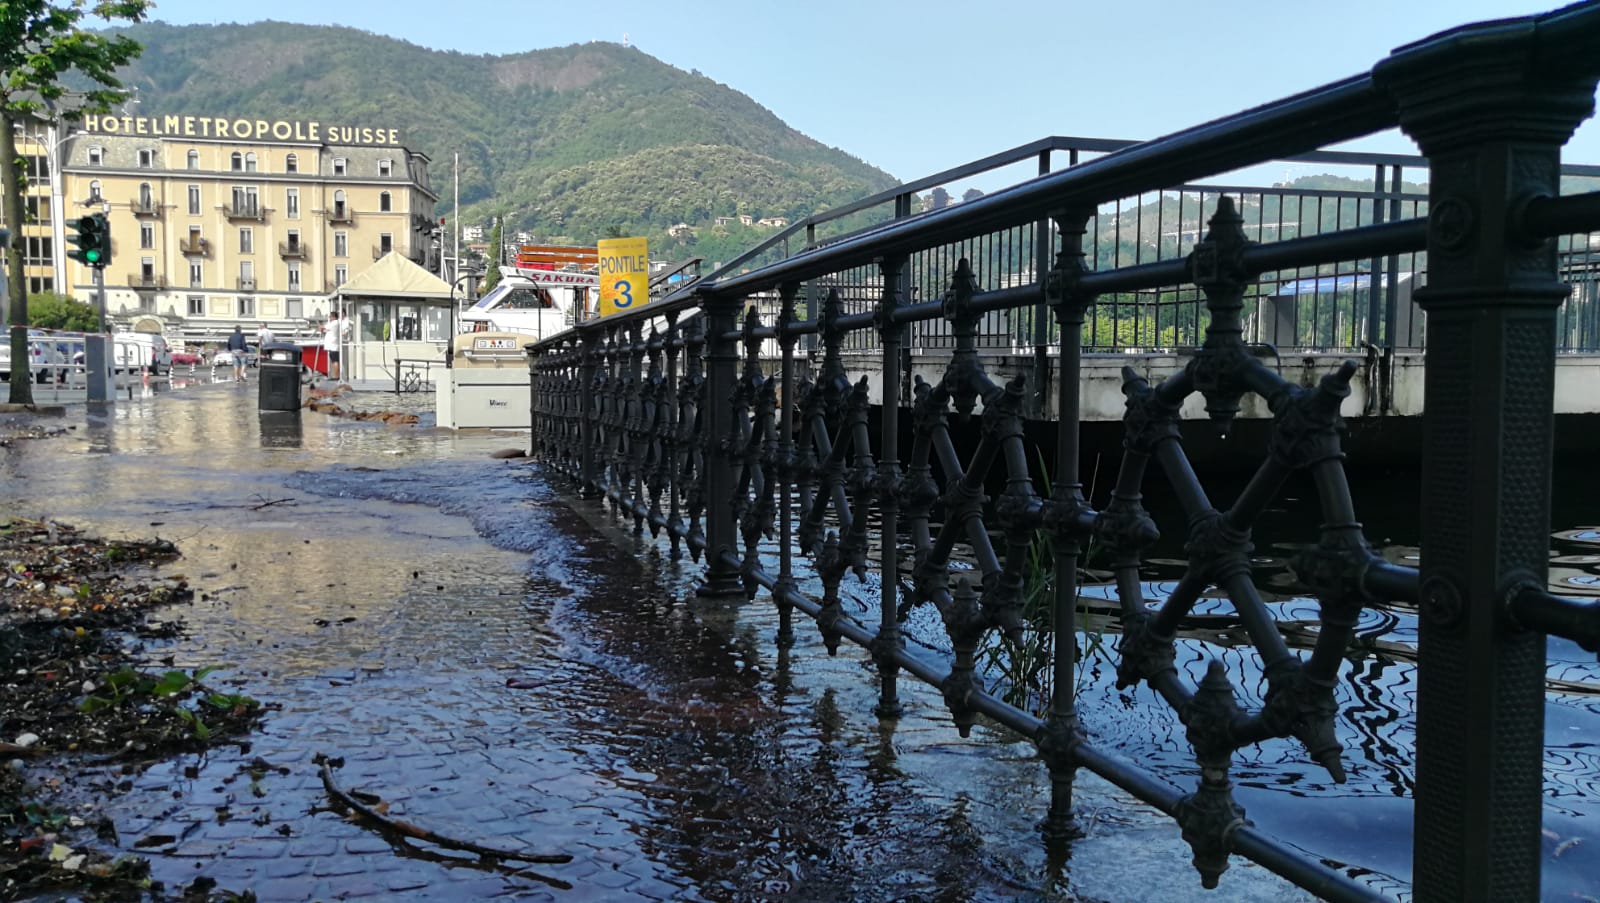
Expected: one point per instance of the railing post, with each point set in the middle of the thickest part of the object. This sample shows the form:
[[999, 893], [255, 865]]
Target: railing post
[[1490, 112], [589, 431], [786, 469], [888, 641], [722, 372]]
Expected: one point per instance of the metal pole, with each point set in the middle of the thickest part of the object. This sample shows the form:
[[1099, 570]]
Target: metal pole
[[100, 296]]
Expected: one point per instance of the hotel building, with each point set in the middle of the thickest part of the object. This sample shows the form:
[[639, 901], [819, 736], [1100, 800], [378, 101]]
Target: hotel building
[[216, 221]]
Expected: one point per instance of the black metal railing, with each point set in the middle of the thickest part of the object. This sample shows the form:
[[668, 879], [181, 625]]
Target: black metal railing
[[701, 419]]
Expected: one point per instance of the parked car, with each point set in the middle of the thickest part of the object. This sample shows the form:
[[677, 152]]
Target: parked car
[[224, 358], [46, 352], [187, 359], [137, 350]]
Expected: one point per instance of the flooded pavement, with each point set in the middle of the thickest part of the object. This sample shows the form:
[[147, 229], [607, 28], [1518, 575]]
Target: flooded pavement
[[490, 667]]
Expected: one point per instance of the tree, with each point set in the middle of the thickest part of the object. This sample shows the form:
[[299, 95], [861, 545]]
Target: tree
[[51, 310], [40, 41], [497, 252]]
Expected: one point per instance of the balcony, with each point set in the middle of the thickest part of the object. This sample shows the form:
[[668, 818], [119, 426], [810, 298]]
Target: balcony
[[145, 207], [292, 250], [245, 211], [146, 282], [341, 216], [246, 285], [194, 247]]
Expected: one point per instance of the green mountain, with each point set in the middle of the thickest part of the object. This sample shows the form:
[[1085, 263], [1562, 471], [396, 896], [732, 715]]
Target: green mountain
[[568, 142]]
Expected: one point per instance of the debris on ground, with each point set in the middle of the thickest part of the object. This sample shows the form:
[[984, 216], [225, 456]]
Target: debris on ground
[[75, 697], [321, 401]]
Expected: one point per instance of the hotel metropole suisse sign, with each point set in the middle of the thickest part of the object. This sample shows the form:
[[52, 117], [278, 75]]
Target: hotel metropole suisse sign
[[241, 129]]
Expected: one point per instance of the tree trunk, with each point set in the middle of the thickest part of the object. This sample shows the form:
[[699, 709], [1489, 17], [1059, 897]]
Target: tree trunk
[[16, 212]]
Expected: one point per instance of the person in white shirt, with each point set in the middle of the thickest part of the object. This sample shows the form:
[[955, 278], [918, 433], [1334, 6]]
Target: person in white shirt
[[263, 336], [332, 332]]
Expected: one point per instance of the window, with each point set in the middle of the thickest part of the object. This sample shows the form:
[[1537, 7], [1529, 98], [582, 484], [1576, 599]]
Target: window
[[385, 243], [247, 272], [293, 308], [147, 158], [194, 200], [294, 276], [147, 197], [250, 162], [385, 202], [194, 159], [340, 274], [147, 235], [197, 276], [245, 200], [236, 162], [147, 269], [197, 305], [385, 167], [338, 205], [94, 192], [97, 155], [247, 306], [291, 203], [36, 252], [291, 163], [339, 166], [341, 244], [247, 240], [194, 241]]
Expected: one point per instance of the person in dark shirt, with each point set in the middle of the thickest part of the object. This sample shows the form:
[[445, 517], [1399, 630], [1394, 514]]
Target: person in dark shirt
[[236, 347]]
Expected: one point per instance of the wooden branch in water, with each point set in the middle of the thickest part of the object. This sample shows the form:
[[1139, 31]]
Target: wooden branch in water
[[419, 833]]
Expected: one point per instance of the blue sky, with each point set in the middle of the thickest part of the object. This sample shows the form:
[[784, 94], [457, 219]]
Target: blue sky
[[917, 86]]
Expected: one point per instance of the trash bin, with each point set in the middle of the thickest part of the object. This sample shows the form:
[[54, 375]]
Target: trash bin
[[279, 377]]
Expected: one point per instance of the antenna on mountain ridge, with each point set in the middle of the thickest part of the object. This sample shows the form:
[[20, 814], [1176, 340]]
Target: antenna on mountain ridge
[[625, 40]]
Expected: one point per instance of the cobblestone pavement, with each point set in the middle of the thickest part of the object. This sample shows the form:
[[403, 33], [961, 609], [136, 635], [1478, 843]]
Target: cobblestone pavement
[[492, 668]]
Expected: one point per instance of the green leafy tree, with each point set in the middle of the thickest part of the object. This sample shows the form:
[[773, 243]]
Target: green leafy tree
[[40, 42], [51, 310], [497, 244]]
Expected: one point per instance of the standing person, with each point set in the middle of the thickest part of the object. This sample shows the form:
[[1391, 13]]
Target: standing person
[[264, 335], [236, 348], [331, 333]]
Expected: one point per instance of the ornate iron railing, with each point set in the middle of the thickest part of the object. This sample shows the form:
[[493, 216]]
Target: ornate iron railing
[[700, 419]]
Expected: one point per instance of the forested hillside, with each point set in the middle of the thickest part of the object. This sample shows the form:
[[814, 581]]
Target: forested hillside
[[567, 142]]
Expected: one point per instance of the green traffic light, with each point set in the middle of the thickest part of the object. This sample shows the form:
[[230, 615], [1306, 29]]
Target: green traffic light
[[91, 256]]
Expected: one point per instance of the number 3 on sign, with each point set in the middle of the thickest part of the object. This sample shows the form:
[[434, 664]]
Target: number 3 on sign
[[624, 290]]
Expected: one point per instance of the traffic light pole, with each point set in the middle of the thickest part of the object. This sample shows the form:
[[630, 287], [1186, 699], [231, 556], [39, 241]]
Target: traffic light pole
[[100, 296]]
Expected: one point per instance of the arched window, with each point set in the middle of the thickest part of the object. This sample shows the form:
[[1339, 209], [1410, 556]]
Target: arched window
[[385, 202], [146, 196], [194, 159], [237, 161], [250, 162], [291, 163], [94, 192]]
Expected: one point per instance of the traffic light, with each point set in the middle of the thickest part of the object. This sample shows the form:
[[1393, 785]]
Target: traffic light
[[93, 240]]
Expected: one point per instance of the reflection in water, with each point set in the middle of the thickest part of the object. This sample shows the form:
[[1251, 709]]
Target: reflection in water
[[280, 429]]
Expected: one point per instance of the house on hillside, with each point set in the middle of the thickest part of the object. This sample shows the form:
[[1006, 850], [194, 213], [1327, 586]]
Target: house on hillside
[[746, 219], [680, 230], [775, 222], [722, 221]]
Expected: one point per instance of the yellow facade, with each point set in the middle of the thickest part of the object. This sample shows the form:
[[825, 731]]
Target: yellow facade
[[211, 232], [34, 144]]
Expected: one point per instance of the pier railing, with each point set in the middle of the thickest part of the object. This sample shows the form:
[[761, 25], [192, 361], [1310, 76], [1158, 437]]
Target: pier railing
[[675, 414]]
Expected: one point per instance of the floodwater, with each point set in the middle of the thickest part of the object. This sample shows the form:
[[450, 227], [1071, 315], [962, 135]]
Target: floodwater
[[496, 669]]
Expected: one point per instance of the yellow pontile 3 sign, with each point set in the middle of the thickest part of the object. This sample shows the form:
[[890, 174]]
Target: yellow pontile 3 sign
[[624, 274]]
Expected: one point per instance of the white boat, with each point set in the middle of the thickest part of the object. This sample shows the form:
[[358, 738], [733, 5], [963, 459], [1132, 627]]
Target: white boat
[[533, 302]]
